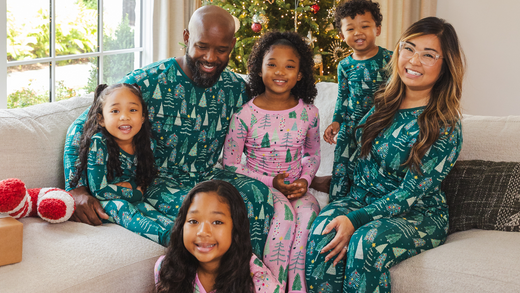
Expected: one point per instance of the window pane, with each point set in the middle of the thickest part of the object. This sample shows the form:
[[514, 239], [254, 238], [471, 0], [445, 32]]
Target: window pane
[[76, 27], [75, 77], [117, 66], [27, 29], [121, 24], [27, 85]]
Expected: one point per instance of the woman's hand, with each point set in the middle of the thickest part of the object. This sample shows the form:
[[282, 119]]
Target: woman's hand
[[331, 132], [294, 190], [339, 244]]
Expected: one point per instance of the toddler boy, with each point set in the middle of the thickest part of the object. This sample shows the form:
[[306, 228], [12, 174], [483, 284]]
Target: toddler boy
[[359, 76]]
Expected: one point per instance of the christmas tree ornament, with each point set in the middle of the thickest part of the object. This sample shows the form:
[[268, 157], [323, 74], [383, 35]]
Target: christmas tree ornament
[[237, 23], [315, 8], [337, 51], [318, 59], [256, 27], [310, 39]]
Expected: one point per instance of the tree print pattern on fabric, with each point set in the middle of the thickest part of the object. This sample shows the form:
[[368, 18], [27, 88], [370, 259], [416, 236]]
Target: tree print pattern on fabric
[[358, 80]]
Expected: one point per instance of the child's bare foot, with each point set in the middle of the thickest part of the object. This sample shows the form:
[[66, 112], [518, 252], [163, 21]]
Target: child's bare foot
[[321, 183]]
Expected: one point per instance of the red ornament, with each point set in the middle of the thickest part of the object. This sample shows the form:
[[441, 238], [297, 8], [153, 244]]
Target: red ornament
[[315, 8], [256, 27]]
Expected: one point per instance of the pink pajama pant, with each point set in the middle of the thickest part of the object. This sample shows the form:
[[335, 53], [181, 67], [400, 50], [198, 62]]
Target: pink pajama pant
[[285, 249]]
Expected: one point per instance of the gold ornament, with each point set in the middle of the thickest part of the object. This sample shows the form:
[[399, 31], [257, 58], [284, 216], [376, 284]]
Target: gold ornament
[[337, 51]]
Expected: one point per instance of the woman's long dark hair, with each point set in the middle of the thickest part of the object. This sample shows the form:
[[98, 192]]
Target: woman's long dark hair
[[142, 140], [178, 269], [305, 88], [443, 109]]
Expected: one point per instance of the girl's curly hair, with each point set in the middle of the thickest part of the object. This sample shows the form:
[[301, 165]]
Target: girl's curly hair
[[357, 7], [305, 88], [145, 171], [179, 266]]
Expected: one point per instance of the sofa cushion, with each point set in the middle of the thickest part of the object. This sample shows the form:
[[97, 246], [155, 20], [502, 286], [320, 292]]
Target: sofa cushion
[[469, 261], [32, 140], [483, 195], [76, 257], [490, 138]]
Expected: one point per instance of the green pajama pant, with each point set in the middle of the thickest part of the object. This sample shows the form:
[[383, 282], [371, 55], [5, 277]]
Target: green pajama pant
[[339, 183], [166, 195], [140, 218], [373, 248]]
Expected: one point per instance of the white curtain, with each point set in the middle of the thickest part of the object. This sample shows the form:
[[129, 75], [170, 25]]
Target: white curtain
[[170, 18], [398, 15]]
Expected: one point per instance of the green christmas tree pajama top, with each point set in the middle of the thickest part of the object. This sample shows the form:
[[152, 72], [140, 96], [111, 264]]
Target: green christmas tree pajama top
[[124, 206], [358, 80], [189, 124], [396, 213]]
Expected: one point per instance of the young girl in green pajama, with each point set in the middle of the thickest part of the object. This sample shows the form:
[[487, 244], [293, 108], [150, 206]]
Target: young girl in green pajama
[[406, 145], [116, 158]]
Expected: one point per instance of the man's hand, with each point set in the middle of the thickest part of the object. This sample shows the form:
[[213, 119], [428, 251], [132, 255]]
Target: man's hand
[[331, 132], [340, 242], [294, 190], [88, 209], [124, 184], [321, 183]]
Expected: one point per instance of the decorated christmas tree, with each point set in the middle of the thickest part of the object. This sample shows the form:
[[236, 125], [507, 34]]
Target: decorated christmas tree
[[313, 19]]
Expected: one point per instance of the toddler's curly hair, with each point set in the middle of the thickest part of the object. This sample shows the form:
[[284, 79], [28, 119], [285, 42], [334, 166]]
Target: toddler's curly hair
[[357, 7], [305, 88]]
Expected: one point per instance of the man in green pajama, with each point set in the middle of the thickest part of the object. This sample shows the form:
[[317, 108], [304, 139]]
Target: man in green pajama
[[190, 100]]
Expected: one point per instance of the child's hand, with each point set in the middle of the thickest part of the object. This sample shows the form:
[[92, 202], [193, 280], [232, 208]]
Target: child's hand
[[124, 184], [331, 132], [300, 187], [293, 190]]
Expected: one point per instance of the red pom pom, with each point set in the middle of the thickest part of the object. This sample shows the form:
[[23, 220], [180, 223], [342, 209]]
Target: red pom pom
[[52, 208], [12, 192]]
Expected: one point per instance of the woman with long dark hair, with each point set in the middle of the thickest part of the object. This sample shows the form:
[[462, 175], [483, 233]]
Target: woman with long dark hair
[[407, 144]]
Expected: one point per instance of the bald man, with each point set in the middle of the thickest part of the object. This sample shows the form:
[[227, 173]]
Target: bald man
[[190, 100]]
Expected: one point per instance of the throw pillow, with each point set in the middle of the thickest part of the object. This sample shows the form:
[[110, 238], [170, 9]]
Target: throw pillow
[[483, 195]]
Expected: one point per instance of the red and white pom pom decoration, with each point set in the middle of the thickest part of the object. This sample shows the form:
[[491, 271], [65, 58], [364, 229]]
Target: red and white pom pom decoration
[[55, 205], [14, 200]]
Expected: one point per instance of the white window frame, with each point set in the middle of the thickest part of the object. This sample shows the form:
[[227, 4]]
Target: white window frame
[[145, 48]]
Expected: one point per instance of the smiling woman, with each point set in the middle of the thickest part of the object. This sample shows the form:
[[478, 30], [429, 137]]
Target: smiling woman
[[406, 145]]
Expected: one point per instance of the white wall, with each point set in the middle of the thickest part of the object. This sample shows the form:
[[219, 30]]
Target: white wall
[[490, 35]]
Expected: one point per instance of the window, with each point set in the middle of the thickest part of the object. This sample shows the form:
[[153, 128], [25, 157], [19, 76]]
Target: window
[[58, 49]]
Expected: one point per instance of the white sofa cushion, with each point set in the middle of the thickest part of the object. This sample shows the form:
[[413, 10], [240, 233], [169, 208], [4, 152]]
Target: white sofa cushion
[[32, 141], [75, 257], [469, 261], [490, 138]]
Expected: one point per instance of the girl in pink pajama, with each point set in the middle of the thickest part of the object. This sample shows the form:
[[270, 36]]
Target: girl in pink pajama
[[278, 130]]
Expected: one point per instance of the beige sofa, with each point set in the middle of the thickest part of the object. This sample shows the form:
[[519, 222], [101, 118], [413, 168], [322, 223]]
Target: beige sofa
[[73, 257]]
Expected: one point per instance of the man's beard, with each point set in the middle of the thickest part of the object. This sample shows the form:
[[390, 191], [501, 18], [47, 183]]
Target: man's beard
[[200, 78]]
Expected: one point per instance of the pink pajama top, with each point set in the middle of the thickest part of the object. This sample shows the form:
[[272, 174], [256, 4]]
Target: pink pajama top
[[274, 142]]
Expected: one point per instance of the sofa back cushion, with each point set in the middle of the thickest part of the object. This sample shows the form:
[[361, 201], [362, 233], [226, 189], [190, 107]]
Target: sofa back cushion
[[483, 195], [32, 140], [490, 138]]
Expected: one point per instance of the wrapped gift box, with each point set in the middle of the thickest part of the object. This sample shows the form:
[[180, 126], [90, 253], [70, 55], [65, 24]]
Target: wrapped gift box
[[11, 238]]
